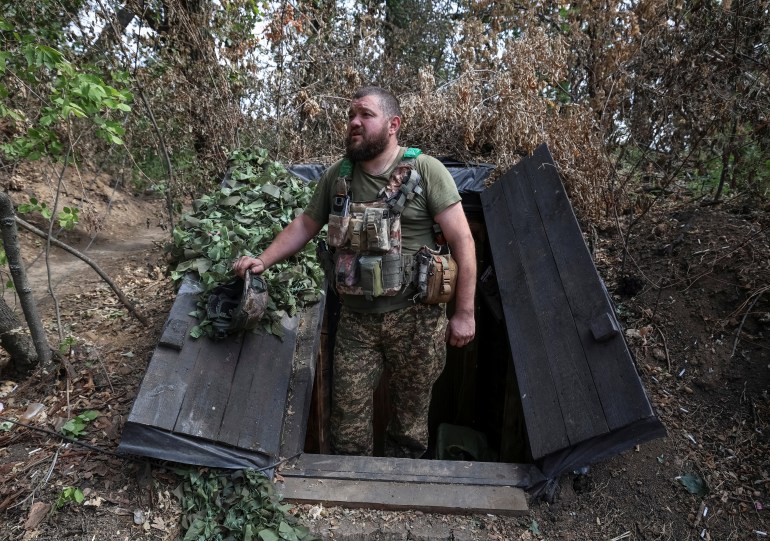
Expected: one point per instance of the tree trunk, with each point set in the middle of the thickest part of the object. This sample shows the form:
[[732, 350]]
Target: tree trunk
[[16, 266], [726, 151], [15, 341]]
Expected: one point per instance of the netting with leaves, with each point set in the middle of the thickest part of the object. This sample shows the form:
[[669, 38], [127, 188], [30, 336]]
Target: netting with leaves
[[257, 200]]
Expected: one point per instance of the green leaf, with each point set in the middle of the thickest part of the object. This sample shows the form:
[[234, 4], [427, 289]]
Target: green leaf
[[73, 427], [694, 484], [268, 535], [195, 530], [89, 415]]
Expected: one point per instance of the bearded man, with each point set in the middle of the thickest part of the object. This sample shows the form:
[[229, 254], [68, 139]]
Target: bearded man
[[381, 326]]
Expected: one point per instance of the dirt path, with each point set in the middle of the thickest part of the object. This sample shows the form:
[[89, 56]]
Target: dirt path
[[70, 274]]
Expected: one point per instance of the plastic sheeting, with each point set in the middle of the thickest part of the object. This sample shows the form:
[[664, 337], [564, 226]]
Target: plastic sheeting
[[143, 440], [469, 177]]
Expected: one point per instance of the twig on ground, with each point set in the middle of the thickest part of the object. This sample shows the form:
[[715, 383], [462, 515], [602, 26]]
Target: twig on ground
[[665, 347], [757, 296], [42, 483], [106, 373]]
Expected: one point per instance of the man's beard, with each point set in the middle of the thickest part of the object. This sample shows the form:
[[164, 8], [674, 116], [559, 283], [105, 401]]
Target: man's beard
[[368, 148]]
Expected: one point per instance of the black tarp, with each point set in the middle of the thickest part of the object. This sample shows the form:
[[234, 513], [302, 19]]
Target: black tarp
[[469, 177]]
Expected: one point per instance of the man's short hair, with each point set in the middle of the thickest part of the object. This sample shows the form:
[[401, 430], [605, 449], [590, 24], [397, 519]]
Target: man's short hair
[[388, 102]]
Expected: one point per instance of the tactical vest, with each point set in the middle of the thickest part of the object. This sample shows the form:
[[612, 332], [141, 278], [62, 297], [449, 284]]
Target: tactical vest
[[367, 235]]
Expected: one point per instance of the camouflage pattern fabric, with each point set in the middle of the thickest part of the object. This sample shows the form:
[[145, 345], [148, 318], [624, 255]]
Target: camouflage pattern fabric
[[410, 343]]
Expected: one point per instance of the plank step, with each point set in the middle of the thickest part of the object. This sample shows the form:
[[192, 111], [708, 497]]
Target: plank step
[[387, 495], [407, 470]]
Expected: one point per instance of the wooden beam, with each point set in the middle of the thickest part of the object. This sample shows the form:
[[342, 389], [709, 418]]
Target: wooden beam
[[430, 497], [413, 470]]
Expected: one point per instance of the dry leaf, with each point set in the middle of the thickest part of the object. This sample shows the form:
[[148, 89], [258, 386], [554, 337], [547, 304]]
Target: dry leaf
[[37, 513], [96, 501]]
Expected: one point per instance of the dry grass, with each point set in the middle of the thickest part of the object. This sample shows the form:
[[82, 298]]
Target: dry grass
[[495, 115]]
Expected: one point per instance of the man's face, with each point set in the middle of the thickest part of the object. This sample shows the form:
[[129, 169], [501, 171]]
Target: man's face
[[368, 129]]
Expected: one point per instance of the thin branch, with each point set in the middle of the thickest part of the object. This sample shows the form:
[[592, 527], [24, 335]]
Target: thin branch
[[55, 209], [665, 347], [745, 315]]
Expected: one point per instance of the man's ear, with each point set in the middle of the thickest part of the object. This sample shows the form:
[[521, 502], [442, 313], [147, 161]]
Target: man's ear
[[395, 125]]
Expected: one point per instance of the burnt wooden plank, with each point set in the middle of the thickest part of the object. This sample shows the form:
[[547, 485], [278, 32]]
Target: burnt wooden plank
[[578, 398], [163, 388], [174, 333], [302, 379], [540, 402], [257, 402], [413, 470], [169, 372], [432, 498], [208, 392], [620, 391]]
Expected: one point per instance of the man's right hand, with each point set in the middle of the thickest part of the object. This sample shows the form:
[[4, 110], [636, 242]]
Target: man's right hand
[[253, 264]]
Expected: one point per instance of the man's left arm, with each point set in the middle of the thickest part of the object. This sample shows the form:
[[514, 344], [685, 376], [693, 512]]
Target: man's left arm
[[454, 225]]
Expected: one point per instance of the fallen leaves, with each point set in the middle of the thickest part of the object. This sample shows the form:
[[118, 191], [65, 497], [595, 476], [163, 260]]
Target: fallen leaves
[[38, 511]]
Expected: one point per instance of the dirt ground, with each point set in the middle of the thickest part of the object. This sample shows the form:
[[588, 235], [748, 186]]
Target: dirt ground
[[693, 295]]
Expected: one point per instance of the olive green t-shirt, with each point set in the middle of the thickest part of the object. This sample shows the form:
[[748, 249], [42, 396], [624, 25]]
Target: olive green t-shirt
[[438, 193]]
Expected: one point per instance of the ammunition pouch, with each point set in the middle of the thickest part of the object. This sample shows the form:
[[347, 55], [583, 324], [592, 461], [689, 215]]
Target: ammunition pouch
[[434, 275], [338, 230], [371, 275]]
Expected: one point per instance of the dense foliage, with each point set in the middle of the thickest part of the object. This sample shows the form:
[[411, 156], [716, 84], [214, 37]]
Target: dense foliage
[[238, 505], [629, 95]]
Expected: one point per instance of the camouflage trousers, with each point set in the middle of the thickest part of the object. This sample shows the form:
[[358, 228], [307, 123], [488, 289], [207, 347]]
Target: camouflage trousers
[[408, 342]]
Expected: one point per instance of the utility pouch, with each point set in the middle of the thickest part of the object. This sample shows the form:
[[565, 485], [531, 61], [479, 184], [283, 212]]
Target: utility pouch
[[357, 233], [371, 275], [392, 273], [436, 276], [377, 229], [338, 230], [346, 269]]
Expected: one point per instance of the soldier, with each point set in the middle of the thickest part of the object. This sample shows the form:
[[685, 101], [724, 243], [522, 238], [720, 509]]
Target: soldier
[[382, 203]]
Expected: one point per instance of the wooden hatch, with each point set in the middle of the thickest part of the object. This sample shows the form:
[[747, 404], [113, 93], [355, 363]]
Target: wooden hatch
[[581, 396]]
